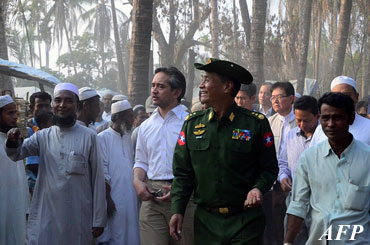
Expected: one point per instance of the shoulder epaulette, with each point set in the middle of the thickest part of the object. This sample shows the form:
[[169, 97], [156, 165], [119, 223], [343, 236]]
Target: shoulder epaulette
[[254, 114], [258, 115], [194, 114]]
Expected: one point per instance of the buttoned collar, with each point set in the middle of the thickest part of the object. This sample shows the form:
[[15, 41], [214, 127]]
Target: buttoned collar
[[299, 132], [177, 111], [327, 150]]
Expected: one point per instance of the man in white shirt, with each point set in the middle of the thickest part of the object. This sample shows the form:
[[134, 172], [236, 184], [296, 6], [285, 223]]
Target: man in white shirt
[[14, 196], [264, 100], [68, 204], [282, 102], [117, 155], [107, 101], [360, 129], [155, 146], [306, 113], [88, 107]]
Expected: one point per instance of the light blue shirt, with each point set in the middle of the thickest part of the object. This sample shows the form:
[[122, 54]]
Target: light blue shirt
[[296, 144], [337, 190]]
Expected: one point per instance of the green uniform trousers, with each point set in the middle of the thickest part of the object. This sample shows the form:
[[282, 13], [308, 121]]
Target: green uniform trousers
[[241, 228]]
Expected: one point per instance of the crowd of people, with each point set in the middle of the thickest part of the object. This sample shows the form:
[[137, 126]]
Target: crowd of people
[[289, 169]]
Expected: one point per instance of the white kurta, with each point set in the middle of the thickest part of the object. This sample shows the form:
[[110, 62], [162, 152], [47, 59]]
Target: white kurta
[[69, 196], [14, 198], [117, 154]]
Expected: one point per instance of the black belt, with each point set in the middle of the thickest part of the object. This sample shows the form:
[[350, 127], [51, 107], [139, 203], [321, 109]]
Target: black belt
[[225, 210], [165, 180]]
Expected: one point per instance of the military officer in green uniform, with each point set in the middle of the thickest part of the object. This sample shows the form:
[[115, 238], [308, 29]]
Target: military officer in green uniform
[[226, 156]]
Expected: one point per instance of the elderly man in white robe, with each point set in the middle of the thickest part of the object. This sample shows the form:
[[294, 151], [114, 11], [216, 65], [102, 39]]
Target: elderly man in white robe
[[117, 153], [68, 205], [13, 183]]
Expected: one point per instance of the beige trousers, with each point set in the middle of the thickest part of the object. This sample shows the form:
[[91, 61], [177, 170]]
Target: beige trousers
[[155, 217]]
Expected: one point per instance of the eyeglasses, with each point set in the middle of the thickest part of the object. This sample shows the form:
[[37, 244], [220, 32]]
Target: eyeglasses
[[279, 97]]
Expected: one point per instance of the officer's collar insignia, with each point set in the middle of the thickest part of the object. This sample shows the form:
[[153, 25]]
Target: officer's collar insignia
[[199, 132], [260, 116], [241, 134], [210, 116], [200, 125], [232, 116], [187, 117]]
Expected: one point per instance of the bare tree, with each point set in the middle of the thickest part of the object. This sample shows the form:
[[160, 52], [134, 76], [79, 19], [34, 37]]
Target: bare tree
[[140, 51], [121, 84], [214, 28], [246, 21], [304, 29], [257, 40], [342, 36], [5, 81]]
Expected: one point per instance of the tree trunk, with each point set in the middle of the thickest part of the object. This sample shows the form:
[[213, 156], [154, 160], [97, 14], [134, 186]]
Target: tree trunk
[[235, 35], [140, 51], [366, 59], [257, 41], [318, 41], [304, 26], [246, 21], [214, 29], [121, 85], [190, 81], [291, 37], [5, 81], [342, 36]]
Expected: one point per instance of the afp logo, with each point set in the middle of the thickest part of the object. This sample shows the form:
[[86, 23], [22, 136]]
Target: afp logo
[[356, 229]]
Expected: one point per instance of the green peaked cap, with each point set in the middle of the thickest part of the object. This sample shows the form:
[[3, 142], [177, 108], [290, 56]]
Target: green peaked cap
[[226, 68]]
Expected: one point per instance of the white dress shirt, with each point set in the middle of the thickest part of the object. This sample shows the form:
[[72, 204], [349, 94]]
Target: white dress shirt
[[156, 143], [286, 127], [296, 144]]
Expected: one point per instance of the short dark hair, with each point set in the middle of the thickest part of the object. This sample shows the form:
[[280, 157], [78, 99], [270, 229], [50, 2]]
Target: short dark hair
[[361, 104], [177, 79], [338, 100], [249, 89], [43, 117], [306, 103], [286, 86], [39, 95]]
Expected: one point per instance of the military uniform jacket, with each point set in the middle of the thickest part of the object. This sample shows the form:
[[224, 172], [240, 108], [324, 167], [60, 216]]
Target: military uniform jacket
[[222, 160]]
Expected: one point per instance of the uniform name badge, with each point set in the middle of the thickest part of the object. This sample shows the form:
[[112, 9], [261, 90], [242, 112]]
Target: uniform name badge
[[241, 134]]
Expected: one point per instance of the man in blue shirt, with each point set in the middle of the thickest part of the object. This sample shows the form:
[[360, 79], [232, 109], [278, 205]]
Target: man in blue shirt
[[332, 177], [39, 102]]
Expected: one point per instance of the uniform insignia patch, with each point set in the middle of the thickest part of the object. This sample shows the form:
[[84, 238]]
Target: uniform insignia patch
[[199, 132], [268, 138], [200, 125], [181, 139], [241, 134], [232, 116]]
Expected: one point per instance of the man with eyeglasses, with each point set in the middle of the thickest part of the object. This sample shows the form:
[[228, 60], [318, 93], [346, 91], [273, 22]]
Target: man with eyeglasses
[[282, 100]]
